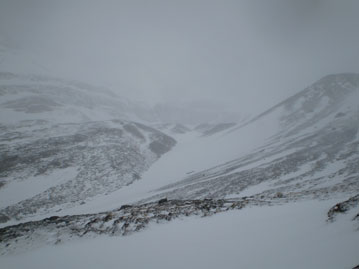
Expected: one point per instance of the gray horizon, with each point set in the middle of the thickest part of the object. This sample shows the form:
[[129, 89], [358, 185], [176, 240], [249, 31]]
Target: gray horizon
[[242, 55]]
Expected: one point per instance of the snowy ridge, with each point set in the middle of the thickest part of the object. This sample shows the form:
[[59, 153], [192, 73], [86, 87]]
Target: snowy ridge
[[312, 153]]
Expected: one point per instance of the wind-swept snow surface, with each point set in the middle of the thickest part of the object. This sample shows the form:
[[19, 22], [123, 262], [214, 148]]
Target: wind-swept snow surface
[[287, 236], [301, 157], [305, 147]]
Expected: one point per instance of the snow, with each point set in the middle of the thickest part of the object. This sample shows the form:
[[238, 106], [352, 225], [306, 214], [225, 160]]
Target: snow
[[192, 153], [264, 160], [175, 165], [330, 174], [287, 236], [17, 190], [252, 190], [166, 170]]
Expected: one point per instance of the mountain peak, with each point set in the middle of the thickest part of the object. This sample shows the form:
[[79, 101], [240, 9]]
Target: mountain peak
[[348, 77]]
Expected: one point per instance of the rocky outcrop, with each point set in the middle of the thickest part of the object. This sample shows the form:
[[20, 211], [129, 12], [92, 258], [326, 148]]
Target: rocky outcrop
[[344, 207], [123, 221]]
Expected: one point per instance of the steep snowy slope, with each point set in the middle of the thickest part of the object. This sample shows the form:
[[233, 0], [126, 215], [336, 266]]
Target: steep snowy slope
[[305, 147], [313, 156]]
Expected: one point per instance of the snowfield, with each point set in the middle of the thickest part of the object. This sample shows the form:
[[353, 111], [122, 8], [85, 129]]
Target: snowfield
[[268, 188], [287, 236]]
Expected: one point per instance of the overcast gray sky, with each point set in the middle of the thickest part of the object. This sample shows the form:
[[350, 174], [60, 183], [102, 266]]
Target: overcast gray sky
[[243, 53]]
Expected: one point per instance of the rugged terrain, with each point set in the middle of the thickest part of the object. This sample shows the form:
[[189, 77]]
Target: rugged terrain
[[132, 218], [123, 221], [70, 163], [63, 143], [312, 154], [306, 148]]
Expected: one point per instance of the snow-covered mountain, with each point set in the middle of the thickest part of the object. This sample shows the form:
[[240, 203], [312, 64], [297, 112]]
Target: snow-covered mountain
[[46, 167], [64, 142], [303, 150], [312, 151], [35, 97]]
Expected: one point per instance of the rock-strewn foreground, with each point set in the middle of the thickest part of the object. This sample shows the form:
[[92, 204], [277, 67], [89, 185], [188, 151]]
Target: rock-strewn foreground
[[312, 153], [125, 220]]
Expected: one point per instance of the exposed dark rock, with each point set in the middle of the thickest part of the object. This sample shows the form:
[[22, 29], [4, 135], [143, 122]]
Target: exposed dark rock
[[123, 221], [125, 206], [4, 218], [343, 207], [162, 201], [53, 218], [108, 217], [162, 145]]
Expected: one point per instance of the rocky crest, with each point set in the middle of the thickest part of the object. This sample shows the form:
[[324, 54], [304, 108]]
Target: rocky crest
[[344, 207], [123, 221]]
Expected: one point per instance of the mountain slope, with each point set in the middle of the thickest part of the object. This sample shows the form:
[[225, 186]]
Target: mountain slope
[[66, 164], [312, 151], [34, 97], [265, 157], [304, 150], [64, 142]]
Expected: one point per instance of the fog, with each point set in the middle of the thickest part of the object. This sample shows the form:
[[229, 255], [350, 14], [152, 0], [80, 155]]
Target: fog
[[245, 55]]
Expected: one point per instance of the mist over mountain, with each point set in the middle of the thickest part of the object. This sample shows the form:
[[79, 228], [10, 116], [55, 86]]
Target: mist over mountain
[[70, 100], [302, 149], [179, 134], [311, 152]]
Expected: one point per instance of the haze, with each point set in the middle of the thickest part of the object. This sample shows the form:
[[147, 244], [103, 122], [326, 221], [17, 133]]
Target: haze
[[246, 55]]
